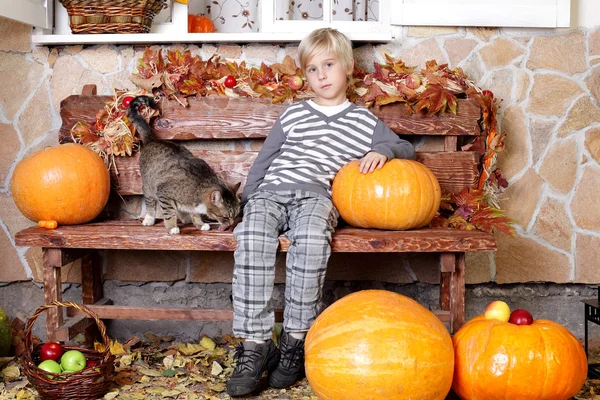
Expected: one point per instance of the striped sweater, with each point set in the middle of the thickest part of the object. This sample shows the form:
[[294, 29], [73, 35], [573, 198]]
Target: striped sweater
[[305, 148]]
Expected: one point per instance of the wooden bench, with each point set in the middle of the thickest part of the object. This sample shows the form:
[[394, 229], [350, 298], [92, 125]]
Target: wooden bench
[[220, 118]]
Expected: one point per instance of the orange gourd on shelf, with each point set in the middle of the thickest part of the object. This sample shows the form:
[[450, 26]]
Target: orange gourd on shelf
[[200, 24], [404, 194], [66, 184], [378, 345], [496, 360]]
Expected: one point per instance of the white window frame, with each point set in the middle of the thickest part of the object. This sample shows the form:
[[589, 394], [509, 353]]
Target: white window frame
[[493, 13], [53, 21], [353, 29], [39, 14]]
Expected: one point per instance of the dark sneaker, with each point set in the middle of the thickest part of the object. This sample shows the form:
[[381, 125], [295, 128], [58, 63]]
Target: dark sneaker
[[253, 360], [291, 363]]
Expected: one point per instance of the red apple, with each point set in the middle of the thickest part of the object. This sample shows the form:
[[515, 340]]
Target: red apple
[[497, 310], [51, 351], [521, 317], [294, 82], [230, 81], [90, 364]]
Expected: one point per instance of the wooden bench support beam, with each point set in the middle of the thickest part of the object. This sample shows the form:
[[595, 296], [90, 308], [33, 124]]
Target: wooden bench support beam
[[452, 288], [51, 265]]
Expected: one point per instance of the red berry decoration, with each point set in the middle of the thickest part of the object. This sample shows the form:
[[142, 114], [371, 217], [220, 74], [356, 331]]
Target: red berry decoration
[[127, 101], [230, 82]]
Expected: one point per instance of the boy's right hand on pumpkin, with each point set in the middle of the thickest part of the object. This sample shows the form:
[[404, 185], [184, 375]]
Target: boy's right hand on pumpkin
[[371, 161]]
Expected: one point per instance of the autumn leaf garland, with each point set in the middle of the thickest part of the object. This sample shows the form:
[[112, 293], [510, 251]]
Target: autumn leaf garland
[[430, 90]]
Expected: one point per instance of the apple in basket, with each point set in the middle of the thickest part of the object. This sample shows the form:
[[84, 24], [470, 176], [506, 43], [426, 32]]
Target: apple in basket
[[72, 361], [50, 366], [51, 351]]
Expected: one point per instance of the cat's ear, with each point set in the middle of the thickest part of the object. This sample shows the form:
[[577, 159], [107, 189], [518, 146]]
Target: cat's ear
[[236, 187], [215, 197]]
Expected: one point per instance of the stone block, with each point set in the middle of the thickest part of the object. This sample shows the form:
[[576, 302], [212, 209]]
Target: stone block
[[522, 259], [586, 258], [559, 167], [12, 268], [15, 36]]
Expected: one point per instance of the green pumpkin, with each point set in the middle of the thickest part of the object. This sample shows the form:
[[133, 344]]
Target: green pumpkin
[[5, 335]]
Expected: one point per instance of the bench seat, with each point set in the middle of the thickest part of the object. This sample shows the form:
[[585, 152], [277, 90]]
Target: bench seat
[[132, 235]]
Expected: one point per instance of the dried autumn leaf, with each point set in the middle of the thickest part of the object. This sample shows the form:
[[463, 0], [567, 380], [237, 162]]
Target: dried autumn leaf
[[436, 99], [398, 66], [263, 76], [288, 67], [151, 63], [150, 83], [179, 62], [489, 219]]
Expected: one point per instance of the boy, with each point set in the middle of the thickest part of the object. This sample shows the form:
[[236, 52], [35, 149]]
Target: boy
[[289, 189]]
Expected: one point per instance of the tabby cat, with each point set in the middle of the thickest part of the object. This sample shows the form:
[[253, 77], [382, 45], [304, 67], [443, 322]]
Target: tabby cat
[[184, 186]]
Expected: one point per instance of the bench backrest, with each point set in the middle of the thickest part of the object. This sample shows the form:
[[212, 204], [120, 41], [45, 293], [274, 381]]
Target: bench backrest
[[222, 118]]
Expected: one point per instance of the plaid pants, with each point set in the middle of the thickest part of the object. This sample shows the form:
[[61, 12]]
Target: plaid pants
[[309, 220]]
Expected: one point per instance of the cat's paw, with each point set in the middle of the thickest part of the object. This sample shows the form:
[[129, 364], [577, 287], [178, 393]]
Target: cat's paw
[[174, 231], [148, 220], [204, 227]]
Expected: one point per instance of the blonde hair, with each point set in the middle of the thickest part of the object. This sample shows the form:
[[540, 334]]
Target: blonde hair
[[329, 40]]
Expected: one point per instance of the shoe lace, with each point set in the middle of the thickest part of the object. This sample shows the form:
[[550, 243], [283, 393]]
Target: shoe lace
[[292, 356], [245, 358]]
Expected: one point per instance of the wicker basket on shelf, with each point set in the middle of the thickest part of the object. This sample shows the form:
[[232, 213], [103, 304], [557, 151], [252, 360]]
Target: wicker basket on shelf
[[112, 16], [87, 384]]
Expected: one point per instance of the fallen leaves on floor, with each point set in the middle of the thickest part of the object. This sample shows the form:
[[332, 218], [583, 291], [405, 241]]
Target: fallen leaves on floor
[[157, 368]]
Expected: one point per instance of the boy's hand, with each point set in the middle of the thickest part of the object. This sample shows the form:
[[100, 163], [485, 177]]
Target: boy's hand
[[371, 161]]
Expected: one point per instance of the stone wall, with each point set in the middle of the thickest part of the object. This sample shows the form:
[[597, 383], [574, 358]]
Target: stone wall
[[549, 84]]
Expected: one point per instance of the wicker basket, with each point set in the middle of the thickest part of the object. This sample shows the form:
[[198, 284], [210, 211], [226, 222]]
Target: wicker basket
[[88, 384], [112, 16]]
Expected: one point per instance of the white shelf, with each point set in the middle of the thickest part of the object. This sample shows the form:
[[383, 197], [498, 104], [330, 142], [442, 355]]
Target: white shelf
[[157, 38]]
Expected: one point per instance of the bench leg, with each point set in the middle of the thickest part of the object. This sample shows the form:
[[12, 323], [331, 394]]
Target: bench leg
[[452, 288], [91, 291], [51, 264]]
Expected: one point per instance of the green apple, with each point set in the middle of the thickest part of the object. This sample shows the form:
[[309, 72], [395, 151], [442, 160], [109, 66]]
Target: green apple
[[72, 361], [50, 366]]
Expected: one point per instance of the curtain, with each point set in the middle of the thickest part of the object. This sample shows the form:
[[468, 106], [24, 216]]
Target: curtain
[[243, 15]]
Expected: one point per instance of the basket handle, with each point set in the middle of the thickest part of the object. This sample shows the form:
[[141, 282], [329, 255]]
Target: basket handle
[[55, 304]]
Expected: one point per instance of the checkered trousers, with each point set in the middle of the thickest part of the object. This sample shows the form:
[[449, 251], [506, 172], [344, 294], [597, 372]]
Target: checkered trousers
[[309, 220]]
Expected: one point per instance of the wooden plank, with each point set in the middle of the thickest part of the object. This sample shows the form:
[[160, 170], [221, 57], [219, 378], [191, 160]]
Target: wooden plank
[[454, 170], [457, 294], [73, 327], [218, 117], [159, 314], [131, 235], [51, 264], [70, 255]]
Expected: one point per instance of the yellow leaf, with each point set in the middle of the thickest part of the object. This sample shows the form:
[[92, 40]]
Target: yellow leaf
[[11, 372], [190, 348], [216, 368], [208, 343], [181, 1], [24, 395], [149, 372]]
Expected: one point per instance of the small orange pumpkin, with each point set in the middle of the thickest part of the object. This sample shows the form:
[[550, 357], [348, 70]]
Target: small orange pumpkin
[[200, 24], [404, 194], [378, 345], [496, 360], [68, 184]]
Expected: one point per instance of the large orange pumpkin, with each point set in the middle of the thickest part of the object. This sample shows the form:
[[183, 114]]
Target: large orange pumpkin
[[378, 345], [68, 183], [497, 360], [404, 194]]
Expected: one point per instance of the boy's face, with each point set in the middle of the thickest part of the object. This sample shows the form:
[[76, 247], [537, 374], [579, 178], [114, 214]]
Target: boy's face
[[326, 75]]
